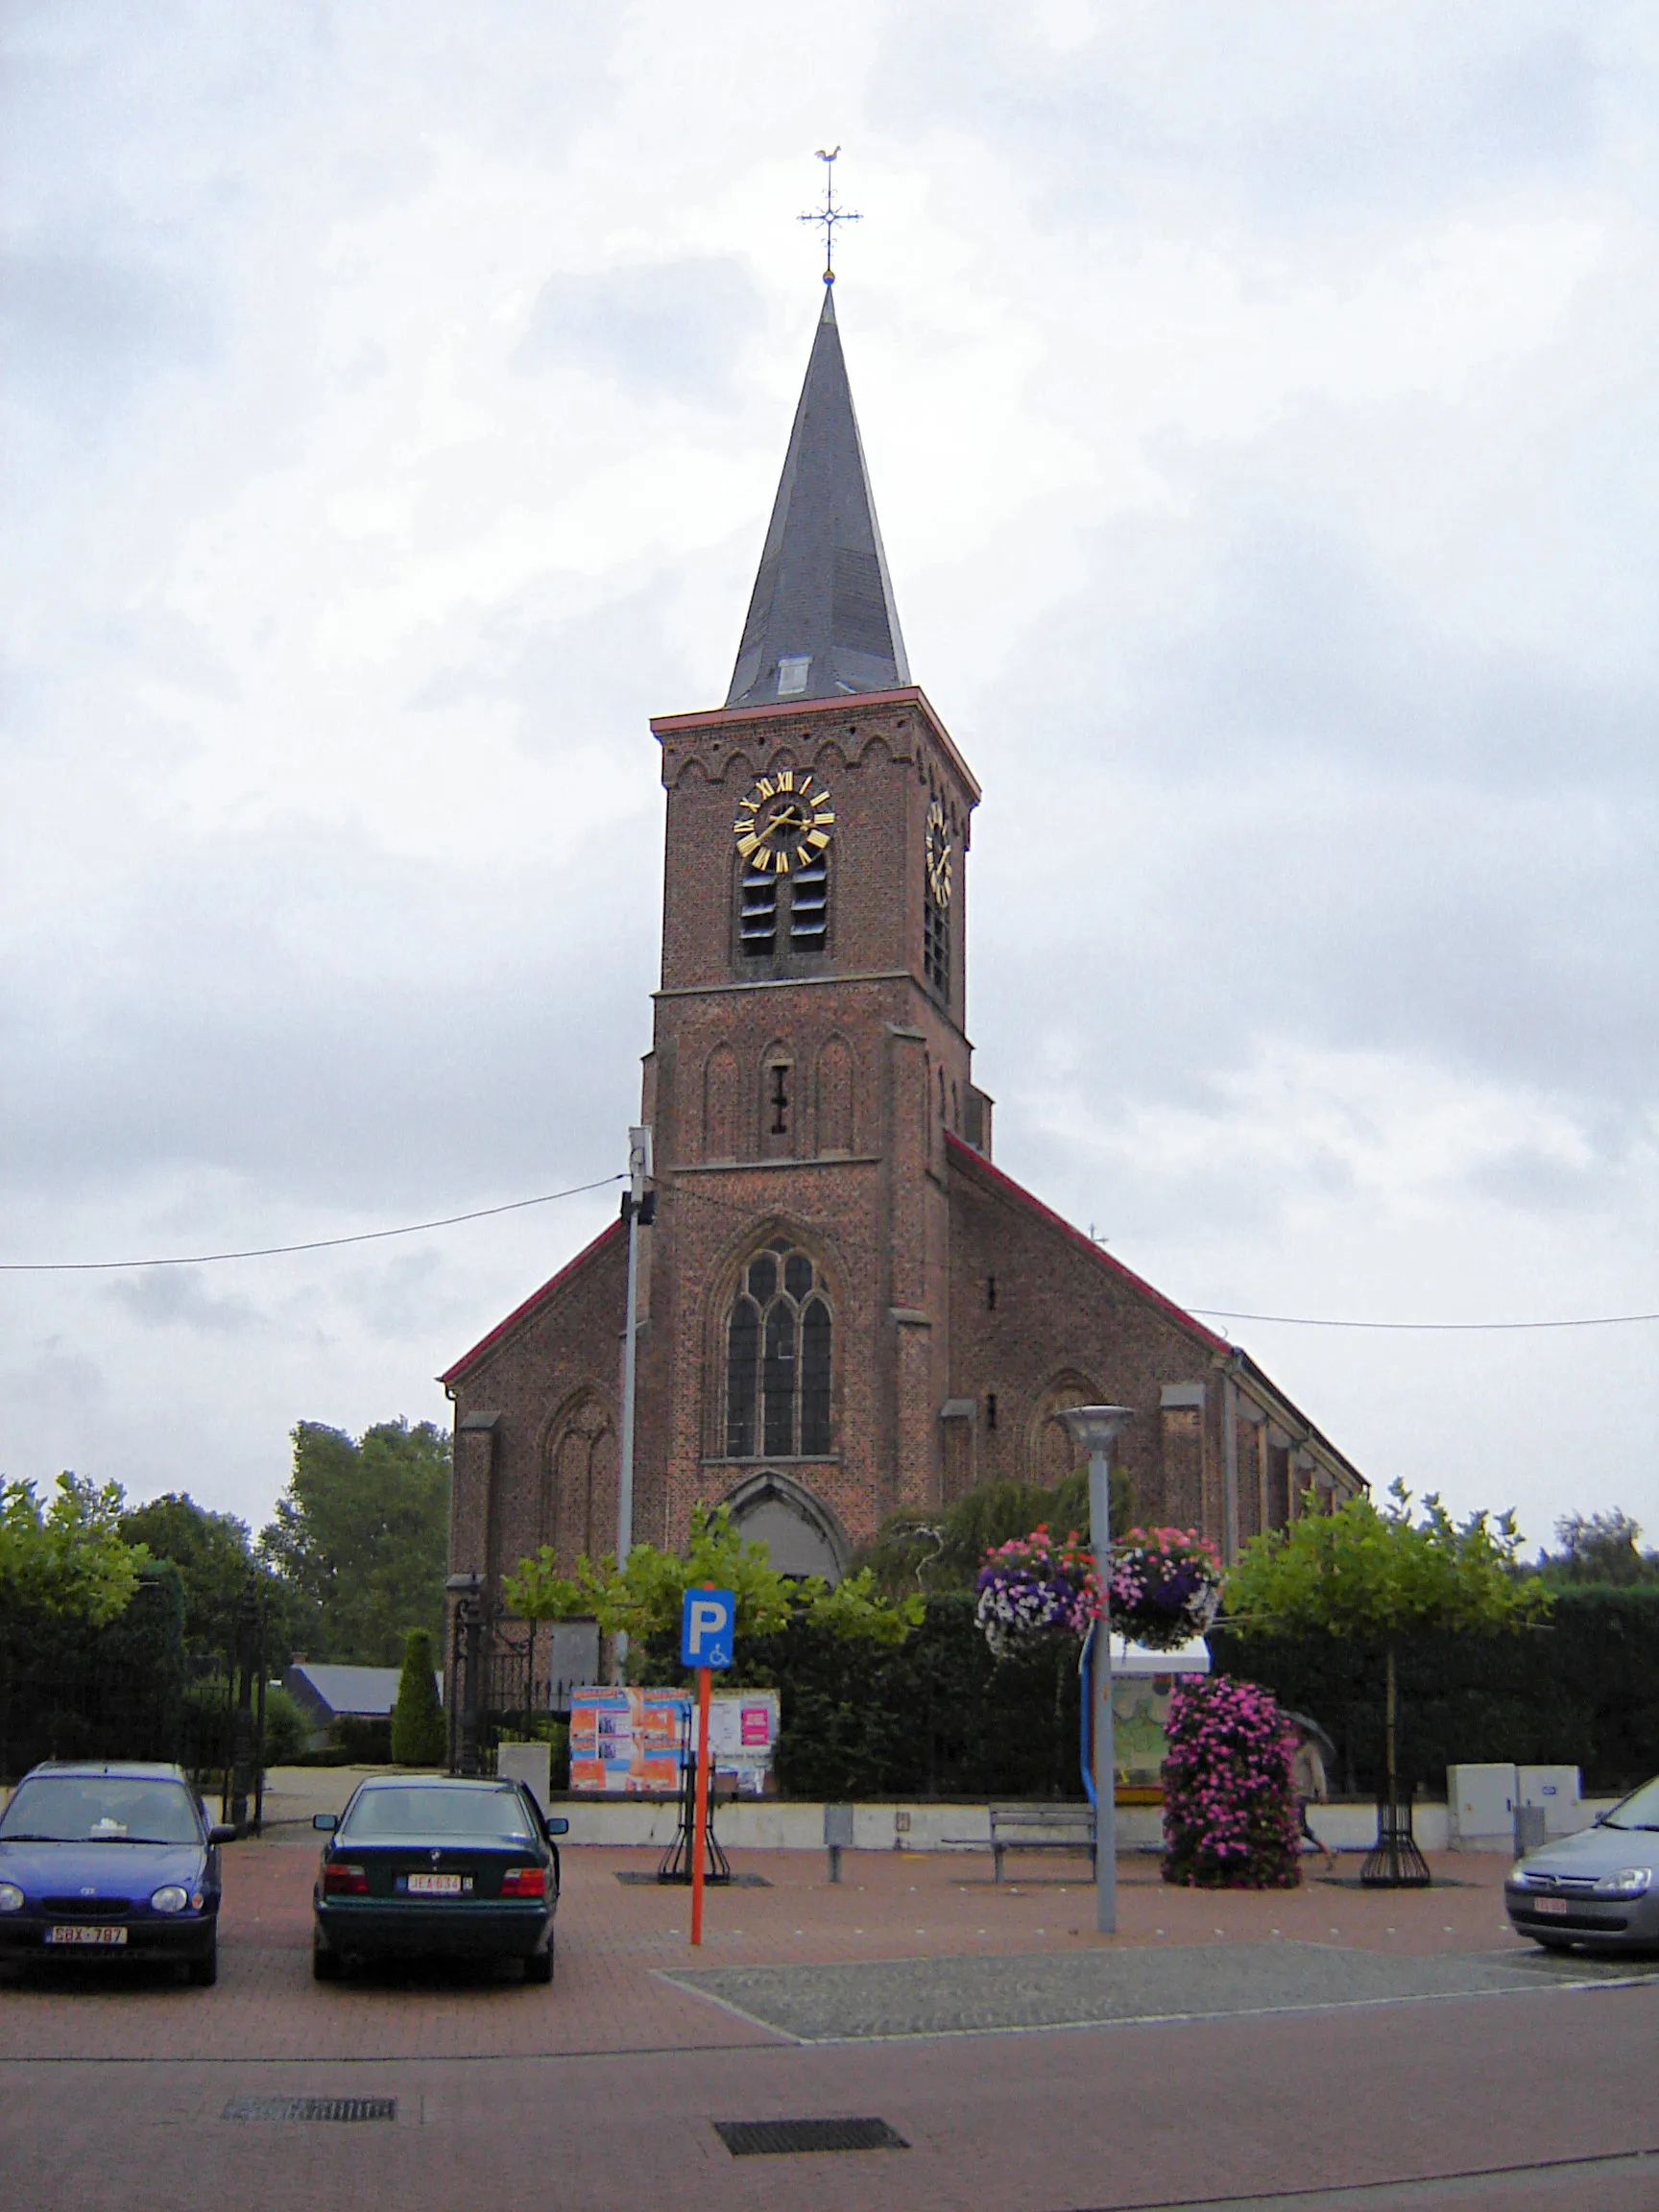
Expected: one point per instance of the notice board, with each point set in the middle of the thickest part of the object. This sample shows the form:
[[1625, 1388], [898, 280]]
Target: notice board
[[628, 1741]]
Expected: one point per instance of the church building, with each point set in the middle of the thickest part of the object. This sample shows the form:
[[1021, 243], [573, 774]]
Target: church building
[[845, 1309]]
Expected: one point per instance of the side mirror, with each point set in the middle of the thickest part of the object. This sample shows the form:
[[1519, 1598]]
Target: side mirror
[[557, 1827], [222, 1832], [326, 1822]]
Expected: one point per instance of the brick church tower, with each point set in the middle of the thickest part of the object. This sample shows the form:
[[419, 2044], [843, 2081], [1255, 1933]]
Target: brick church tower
[[845, 1310]]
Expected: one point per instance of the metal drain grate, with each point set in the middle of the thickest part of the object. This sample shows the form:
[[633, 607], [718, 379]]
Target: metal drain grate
[[311, 2108], [767, 2138]]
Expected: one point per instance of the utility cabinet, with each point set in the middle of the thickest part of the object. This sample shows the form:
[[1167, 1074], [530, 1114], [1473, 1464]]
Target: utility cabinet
[[1557, 1789], [1481, 1807]]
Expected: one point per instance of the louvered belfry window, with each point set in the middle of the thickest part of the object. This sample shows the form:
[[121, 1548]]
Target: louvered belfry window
[[758, 914], [809, 905], [778, 1359]]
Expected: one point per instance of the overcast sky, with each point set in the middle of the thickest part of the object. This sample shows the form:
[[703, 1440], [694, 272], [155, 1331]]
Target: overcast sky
[[1261, 407]]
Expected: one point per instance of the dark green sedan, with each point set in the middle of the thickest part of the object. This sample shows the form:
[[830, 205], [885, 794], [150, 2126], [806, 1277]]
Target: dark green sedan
[[435, 1866]]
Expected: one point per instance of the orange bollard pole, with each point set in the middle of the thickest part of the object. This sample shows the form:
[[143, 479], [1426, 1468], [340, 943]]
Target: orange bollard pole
[[700, 1826]]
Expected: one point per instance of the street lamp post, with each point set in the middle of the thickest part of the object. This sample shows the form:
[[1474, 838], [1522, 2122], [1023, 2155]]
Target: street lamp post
[[1096, 1428], [636, 1207]]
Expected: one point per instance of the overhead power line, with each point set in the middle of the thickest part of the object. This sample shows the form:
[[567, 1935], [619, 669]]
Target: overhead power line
[[1287, 1320], [314, 1244], [580, 1189], [1462, 1328]]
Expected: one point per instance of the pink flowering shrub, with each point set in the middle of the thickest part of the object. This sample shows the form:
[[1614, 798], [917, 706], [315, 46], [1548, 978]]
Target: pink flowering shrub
[[1229, 1809], [1166, 1586]]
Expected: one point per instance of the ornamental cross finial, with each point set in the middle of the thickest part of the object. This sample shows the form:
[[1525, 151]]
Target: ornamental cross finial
[[829, 214]]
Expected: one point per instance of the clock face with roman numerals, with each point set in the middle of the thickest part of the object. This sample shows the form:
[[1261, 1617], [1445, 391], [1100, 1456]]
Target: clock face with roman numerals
[[938, 854], [784, 822]]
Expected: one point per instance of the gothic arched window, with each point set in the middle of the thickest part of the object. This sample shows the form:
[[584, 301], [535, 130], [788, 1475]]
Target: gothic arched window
[[778, 1359]]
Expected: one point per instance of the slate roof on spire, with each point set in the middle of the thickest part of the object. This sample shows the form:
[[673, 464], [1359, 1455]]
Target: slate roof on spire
[[822, 622]]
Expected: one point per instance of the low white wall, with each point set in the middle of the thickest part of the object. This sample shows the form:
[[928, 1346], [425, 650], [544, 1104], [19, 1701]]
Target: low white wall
[[772, 1824]]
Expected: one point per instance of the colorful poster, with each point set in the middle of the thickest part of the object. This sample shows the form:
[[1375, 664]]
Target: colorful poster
[[628, 1741], [742, 1734]]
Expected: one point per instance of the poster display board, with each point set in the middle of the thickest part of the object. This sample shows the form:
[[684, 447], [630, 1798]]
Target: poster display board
[[742, 1733], [627, 1742], [1142, 1681]]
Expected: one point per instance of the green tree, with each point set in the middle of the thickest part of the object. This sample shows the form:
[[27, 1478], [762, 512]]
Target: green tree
[[642, 1600], [419, 1737], [215, 1555], [66, 1556], [1601, 1547], [945, 1551], [362, 1534], [1375, 1575]]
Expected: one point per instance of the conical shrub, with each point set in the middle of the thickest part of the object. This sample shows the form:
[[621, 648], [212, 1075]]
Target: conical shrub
[[419, 1737]]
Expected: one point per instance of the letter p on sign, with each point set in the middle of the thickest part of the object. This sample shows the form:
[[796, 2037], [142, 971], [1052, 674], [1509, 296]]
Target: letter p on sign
[[706, 1619]]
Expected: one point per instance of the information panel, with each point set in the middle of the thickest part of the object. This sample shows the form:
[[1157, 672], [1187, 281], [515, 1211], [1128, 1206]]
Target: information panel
[[626, 1742]]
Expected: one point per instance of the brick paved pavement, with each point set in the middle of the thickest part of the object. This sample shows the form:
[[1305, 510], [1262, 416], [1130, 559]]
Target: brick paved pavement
[[602, 2092], [616, 1941]]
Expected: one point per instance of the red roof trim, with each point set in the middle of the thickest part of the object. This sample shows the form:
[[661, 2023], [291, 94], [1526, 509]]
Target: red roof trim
[[963, 1154], [502, 1328]]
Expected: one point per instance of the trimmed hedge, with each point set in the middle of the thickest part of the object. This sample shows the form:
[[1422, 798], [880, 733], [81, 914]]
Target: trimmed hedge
[[1583, 1690], [936, 1717]]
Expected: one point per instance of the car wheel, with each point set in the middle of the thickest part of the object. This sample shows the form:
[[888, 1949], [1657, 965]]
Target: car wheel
[[539, 1966], [201, 1973], [325, 1963]]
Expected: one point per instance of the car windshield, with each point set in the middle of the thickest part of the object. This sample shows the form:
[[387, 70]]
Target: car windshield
[[100, 1809], [1640, 1810], [477, 1816]]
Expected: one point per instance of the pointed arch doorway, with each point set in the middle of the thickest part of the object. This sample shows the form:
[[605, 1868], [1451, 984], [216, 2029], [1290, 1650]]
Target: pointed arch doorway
[[801, 1533]]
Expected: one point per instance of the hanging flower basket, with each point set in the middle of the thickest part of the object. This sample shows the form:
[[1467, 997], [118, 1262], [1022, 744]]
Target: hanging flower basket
[[1166, 1586], [1034, 1587]]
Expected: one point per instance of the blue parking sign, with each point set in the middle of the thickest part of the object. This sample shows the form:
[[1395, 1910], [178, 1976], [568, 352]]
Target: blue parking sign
[[707, 1620]]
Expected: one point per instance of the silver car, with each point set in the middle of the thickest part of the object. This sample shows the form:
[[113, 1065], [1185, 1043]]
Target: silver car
[[1600, 1887]]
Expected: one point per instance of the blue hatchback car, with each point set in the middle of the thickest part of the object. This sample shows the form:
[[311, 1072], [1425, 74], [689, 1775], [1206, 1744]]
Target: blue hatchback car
[[106, 1862]]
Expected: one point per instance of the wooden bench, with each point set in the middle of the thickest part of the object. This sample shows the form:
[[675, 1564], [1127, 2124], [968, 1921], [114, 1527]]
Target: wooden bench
[[1041, 1828]]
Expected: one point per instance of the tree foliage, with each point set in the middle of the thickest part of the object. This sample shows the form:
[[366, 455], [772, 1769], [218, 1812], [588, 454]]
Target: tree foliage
[[642, 1599], [66, 1556], [945, 1551], [215, 1555], [1375, 1573], [362, 1534], [1599, 1548]]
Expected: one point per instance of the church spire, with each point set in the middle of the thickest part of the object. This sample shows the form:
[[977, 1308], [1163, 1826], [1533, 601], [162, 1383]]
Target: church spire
[[822, 622]]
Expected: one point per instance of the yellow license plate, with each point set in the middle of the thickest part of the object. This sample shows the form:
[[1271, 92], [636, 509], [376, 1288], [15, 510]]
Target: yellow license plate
[[79, 1935]]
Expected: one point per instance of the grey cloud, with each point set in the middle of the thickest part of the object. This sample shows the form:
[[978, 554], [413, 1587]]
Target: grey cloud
[[1293, 114], [674, 328], [347, 1029], [609, 667], [179, 1298], [82, 330]]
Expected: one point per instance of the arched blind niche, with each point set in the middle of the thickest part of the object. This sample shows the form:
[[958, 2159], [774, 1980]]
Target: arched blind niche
[[778, 1359]]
